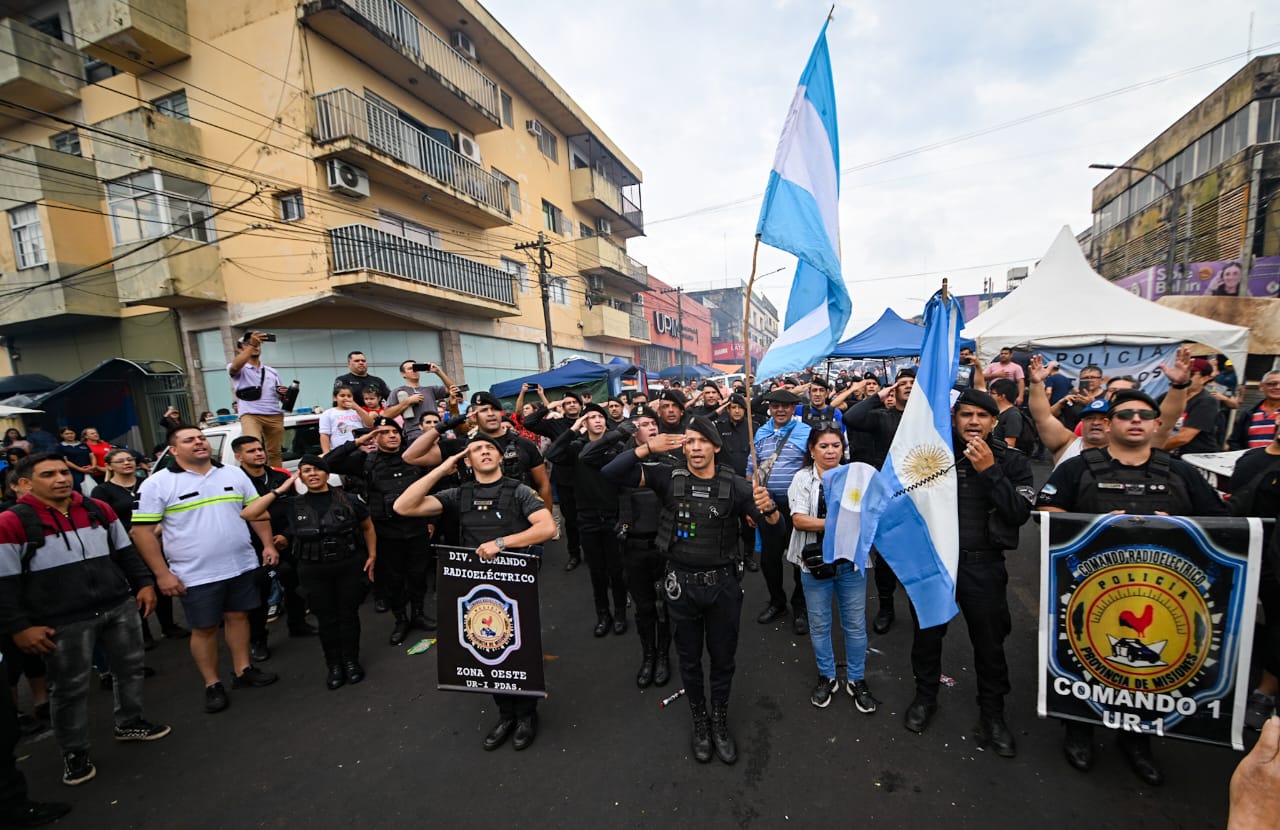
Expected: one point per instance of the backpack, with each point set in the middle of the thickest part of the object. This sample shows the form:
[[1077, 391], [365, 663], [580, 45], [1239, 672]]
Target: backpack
[[33, 528]]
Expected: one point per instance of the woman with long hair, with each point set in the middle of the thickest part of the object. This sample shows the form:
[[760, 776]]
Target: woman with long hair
[[334, 541], [841, 579], [13, 438]]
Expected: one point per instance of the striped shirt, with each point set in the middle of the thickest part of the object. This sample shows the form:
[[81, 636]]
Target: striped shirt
[[204, 538], [1262, 427], [790, 460]]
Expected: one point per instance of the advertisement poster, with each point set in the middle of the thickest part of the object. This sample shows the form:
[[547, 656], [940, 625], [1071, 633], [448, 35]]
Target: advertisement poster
[[490, 634], [1146, 622]]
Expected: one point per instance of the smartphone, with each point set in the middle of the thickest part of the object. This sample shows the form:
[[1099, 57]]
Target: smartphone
[[464, 388], [422, 367], [266, 338]]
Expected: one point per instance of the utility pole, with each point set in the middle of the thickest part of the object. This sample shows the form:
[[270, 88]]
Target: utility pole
[[679, 327], [544, 283]]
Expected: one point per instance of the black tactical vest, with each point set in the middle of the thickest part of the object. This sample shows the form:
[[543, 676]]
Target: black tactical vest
[[387, 476], [1105, 486], [698, 528], [981, 527], [485, 519], [512, 466], [326, 537]]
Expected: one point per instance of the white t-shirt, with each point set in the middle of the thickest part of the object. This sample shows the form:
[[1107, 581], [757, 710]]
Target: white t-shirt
[[1073, 449], [338, 424], [204, 538]]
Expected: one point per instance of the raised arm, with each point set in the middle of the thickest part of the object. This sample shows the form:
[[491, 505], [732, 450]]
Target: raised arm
[[1053, 434]]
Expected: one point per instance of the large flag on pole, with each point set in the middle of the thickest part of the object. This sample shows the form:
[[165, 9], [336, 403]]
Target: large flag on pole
[[800, 215], [909, 511]]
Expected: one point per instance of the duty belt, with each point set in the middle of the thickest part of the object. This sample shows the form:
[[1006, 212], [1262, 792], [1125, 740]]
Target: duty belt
[[688, 576], [981, 555]]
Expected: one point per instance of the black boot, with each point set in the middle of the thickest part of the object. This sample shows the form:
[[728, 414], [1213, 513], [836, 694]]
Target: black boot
[[662, 666], [993, 732], [644, 677], [884, 620], [419, 619], [604, 623], [701, 733], [354, 671], [726, 748], [620, 621], [336, 678], [401, 629]]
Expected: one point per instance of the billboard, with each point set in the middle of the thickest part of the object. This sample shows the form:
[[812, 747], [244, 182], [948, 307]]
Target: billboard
[[1220, 278]]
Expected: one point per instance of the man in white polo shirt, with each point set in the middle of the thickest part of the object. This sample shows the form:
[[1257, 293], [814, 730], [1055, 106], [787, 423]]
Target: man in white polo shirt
[[207, 558]]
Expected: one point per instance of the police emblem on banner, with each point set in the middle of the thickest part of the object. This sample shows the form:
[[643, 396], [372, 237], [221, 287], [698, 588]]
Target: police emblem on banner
[[1144, 621], [488, 624]]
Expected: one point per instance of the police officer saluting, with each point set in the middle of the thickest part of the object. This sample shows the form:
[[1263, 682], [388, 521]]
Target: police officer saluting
[[495, 513], [404, 542], [995, 493], [1128, 476], [698, 535]]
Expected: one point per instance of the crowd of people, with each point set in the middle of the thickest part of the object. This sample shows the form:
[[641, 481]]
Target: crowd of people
[[670, 499]]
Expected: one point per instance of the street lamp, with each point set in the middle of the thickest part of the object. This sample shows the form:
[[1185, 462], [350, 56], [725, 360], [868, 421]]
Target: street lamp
[[1171, 220]]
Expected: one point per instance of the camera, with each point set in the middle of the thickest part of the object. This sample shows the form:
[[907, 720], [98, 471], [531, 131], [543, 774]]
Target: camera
[[422, 367]]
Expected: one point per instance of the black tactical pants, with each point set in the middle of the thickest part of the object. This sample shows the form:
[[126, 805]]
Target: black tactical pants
[[335, 591], [603, 552], [645, 570], [705, 608], [402, 569]]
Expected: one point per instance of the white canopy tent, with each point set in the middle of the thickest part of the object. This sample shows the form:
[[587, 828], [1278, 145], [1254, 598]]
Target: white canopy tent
[[1066, 304]]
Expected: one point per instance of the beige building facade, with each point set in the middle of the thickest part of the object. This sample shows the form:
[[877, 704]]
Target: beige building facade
[[348, 174]]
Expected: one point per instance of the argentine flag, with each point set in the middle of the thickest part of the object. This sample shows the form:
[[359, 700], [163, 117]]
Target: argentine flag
[[800, 215], [844, 488], [909, 511]]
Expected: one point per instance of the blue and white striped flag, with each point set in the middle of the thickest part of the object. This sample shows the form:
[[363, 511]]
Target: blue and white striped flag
[[800, 215], [909, 511], [844, 488]]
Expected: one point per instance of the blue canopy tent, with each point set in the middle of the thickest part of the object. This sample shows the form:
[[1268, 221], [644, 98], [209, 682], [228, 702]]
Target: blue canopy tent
[[890, 336], [693, 372], [601, 380]]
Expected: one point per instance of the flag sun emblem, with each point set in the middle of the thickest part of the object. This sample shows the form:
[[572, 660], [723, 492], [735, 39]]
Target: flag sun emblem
[[924, 465]]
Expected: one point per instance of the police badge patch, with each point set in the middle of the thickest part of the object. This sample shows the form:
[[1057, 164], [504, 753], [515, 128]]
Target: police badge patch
[[488, 624]]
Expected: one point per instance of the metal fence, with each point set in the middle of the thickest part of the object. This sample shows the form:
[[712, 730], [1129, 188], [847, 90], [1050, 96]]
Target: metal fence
[[430, 49], [363, 248], [341, 113]]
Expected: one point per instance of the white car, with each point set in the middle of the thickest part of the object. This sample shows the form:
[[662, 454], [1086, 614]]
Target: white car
[[301, 436]]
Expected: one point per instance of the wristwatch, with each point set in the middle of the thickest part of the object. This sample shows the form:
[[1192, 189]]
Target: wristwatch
[[500, 543]]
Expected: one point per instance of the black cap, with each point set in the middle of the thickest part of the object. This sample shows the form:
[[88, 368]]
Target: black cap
[[314, 461], [703, 426], [978, 398], [783, 396], [574, 395], [482, 398], [594, 407], [908, 372], [675, 396], [488, 439], [643, 412], [384, 421], [737, 400], [1123, 396]]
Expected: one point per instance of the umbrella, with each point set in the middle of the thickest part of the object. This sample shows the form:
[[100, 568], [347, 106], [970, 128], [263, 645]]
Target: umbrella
[[11, 411]]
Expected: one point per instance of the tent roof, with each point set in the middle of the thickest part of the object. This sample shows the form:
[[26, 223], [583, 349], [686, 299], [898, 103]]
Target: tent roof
[[695, 371], [1066, 304], [573, 373], [890, 336]]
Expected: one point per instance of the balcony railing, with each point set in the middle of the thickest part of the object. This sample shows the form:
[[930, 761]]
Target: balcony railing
[[362, 248], [404, 27], [341, 113], [639, 327]]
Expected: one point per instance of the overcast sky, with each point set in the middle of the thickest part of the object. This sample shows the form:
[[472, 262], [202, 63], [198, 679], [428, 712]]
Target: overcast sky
[[695, 93]]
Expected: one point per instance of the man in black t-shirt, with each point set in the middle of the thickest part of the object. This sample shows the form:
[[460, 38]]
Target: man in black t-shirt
[[358, 378], [1009, 422], [1197, 429]]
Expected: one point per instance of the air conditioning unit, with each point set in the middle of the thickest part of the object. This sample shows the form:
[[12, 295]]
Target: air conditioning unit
[[467, 146], [534, 127], [604, 226], [463, 44], [595, 283], [348, 179]]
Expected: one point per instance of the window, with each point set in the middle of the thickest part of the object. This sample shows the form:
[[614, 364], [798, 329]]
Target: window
[[552, 217], [513, 190], [290, 204], [508, 110], [410, 230], [1267, 127], [549, 145], [558, 290], [68, 142], [97, 70], [585, 230], [28, 237], [150, 204], [519, 270], [173, 105], [577, 162]]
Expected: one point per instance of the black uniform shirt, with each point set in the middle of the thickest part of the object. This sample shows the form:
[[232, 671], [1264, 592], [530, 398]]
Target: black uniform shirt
[[527, 501], [657, 477], [1064, 485]]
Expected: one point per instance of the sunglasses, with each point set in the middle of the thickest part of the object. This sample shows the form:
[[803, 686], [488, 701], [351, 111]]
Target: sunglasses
[[1130, 414]]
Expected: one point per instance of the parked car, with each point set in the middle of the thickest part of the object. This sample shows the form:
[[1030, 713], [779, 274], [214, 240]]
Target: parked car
[[301, 436]]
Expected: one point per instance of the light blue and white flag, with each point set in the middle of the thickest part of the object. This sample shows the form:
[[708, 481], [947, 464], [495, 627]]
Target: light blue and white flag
[[844, 488], [909, 510], [800, 215]]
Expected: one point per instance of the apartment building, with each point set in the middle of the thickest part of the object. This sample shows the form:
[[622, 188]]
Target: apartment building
[[726, 306], [347, 174]]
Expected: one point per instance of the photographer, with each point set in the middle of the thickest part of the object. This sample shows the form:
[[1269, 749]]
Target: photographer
[[412, 400], [258, 389]]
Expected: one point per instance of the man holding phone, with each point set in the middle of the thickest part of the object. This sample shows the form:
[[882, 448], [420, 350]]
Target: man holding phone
[[412, 399], [258, 390]]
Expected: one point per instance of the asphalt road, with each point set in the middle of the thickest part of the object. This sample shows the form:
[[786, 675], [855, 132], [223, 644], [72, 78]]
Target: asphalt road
[[395, 752]]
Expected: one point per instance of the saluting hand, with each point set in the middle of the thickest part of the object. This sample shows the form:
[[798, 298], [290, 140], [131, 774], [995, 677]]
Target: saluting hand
[[665, 442]]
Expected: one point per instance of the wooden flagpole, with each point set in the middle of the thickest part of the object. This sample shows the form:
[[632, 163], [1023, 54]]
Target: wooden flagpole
[[746, 353]]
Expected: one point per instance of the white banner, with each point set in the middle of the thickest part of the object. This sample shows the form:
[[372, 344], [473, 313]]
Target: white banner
[[1142, 362]]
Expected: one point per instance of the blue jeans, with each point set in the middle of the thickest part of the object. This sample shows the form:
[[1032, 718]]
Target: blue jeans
[[120, 632], [849, 586]]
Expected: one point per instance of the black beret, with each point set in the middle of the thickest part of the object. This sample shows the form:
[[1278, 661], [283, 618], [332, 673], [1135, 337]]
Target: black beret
[[783, 396], [594, 407], [737, 400], [908, 372], [488, 439], [978, 398], [703, 426], [711, 384], [643, 412], [820, 383], [574, 395], [482, 398], [675, 396], [384, 421], [314, 461], [1123, 396]]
